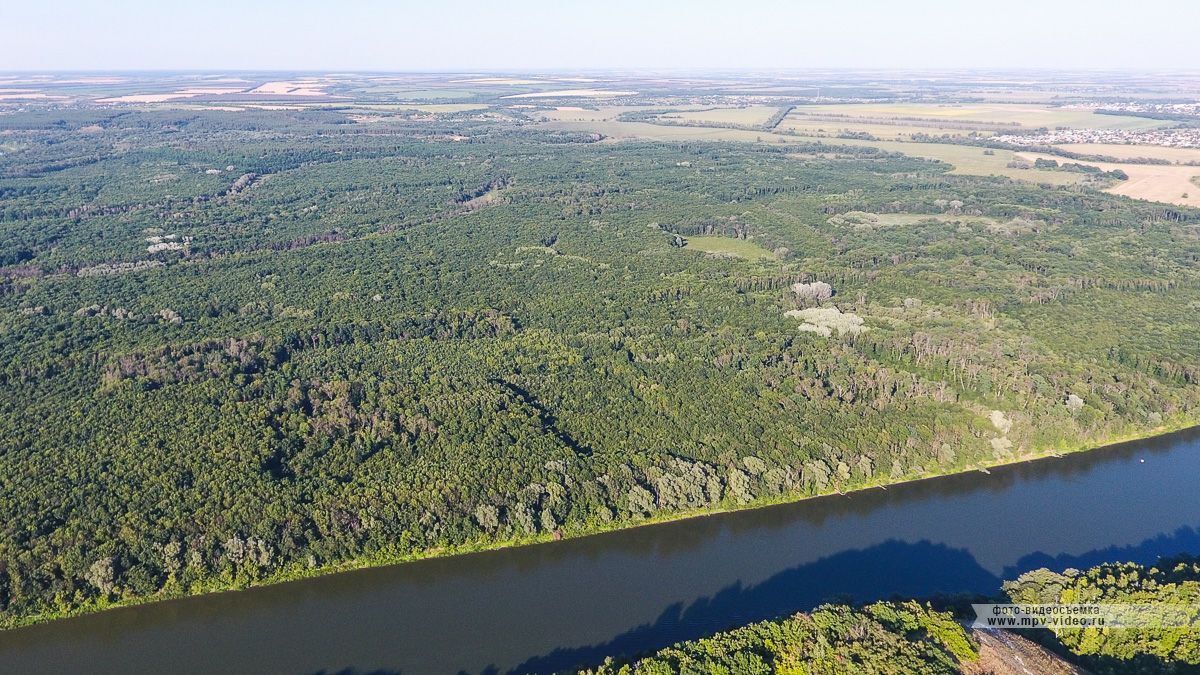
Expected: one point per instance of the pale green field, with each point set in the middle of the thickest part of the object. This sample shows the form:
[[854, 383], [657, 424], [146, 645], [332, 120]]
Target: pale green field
[[740, 248], [599, 114], [891, 132], [972, 161], [1005, 113], [965, 159], [755, 114]]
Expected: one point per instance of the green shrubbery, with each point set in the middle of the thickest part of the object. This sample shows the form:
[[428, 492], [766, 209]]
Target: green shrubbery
[[880, 638], [1171, 582]]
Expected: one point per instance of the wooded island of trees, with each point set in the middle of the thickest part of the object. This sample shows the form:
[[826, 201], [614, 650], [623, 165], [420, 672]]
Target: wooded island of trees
[[911, 637]]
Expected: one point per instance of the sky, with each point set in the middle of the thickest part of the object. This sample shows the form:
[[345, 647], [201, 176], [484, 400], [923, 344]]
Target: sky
[[515, 35]]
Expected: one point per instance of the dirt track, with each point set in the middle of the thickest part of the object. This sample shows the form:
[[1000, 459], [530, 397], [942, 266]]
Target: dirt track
[[1004, 653]]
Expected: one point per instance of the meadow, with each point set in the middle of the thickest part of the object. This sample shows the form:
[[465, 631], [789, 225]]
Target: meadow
[[738, 248]]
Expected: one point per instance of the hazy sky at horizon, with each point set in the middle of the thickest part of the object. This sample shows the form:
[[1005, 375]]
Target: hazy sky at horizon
[[528, 34]]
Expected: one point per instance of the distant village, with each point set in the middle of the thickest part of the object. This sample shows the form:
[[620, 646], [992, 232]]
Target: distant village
[[1172, 138], [1187, 109]]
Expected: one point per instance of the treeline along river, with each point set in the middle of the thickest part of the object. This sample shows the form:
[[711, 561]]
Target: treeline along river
[[552, 606]]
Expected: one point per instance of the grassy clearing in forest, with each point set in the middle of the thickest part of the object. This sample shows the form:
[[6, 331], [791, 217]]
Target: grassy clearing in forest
[[860, 220], [740, 248]]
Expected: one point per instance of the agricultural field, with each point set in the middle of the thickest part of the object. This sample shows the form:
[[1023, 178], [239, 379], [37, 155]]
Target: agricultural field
[[882, 129], [969, 160], [990, 115], [1133, 152], [893, 128], [748, 116], [575, 93], [616, 129], [1171, 184], [580, 114]]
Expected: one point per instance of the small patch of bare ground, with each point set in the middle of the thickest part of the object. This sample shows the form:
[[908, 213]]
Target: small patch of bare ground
[[1005, 653]]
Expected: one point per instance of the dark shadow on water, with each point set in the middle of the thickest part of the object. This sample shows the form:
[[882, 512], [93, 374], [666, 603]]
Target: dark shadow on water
[[355, 671], [1183, 540], [891, 569]]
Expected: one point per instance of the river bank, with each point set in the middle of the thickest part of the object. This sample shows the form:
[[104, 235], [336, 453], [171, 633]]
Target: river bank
[[639, 589]]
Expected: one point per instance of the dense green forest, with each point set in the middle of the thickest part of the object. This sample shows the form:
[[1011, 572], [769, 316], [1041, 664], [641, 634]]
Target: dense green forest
[[237, 347], [1172, 582], [886, 637]]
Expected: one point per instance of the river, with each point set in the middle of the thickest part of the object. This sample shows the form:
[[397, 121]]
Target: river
[[551, 606]]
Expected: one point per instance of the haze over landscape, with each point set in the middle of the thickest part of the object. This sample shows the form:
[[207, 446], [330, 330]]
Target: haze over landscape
[[626, 34], [763, 337]]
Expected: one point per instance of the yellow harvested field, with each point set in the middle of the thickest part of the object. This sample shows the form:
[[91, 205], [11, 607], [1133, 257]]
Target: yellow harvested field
[[1153, 182], [574, 93], [1180, 155], [755, 114]]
